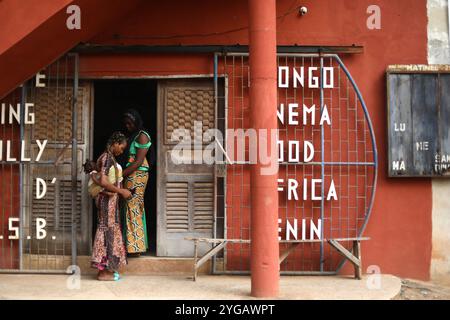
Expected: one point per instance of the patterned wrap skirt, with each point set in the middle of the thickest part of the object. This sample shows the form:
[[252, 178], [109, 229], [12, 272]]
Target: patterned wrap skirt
[[135, 231], [109, 250]]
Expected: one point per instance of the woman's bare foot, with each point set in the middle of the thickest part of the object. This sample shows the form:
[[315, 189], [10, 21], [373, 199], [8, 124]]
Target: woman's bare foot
[[100, 274], [105, 275]]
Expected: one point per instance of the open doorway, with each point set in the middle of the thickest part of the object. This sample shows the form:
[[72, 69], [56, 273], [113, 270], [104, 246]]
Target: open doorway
[[111, 99]]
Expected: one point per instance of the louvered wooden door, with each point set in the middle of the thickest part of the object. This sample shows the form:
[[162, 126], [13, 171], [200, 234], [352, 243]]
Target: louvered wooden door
[[185, 191], [53, 105]]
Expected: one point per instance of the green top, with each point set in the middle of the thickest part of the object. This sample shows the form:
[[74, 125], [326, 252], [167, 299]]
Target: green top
[[133, 151]]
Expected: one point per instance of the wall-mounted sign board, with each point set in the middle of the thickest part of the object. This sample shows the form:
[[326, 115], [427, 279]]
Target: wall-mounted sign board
[[418, 100]]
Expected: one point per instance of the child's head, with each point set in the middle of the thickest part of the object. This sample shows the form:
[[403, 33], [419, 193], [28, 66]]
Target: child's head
[[89, 166]]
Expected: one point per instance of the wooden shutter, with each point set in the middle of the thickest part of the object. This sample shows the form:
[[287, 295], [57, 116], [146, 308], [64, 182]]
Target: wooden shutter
[[185, 192], [418, 117], [177, 206], [203, 206]]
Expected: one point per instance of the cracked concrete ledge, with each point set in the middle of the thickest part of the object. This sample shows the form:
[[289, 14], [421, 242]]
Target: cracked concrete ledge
[[55, 287]]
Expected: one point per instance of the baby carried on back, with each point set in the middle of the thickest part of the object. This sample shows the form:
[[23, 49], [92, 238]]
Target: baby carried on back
[[90, 167]]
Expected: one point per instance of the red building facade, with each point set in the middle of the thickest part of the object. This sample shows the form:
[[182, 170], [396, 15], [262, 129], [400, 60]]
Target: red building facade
[[400, 222]]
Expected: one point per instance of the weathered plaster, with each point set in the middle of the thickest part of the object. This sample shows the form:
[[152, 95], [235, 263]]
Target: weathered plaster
[[439, 53]]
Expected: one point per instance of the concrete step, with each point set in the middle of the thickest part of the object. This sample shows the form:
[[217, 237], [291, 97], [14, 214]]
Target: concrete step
[[143, 265], [151, 265]]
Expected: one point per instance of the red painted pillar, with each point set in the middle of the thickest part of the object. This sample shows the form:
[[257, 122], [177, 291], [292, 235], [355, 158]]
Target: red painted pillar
[[263, 113]]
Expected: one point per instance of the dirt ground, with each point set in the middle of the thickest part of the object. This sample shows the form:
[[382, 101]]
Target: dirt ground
[[418, 290]]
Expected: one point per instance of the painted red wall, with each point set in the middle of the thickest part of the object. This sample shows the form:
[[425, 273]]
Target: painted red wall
[[400, 226], [9, 189]]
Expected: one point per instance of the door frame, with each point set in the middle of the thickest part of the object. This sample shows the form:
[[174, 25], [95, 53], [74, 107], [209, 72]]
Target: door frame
[[91, 79]]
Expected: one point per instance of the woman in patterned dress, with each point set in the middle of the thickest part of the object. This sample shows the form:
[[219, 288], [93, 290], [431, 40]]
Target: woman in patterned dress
[[135, 179], [109, 251]]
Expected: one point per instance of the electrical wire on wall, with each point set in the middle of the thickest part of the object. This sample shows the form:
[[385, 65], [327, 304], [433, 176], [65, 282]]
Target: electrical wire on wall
[[293, 8]]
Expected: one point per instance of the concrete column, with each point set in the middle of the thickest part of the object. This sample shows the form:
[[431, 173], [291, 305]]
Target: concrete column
[[263, 113]]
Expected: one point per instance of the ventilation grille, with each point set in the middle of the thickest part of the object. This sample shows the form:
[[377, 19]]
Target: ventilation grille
[[53, 106], [190, 206], [203, 206], [184, 106], [177, 206], [56, 206]]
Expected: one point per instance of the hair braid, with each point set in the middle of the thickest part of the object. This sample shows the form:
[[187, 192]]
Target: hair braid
[[116, 137]]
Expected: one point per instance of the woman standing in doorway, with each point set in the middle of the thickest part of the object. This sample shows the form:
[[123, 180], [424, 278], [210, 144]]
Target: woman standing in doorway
[[136, 177], [109, 252]]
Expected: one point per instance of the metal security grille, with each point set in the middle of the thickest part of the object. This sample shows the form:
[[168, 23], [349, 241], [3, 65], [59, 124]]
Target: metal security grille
[[48, 227], [345, 151]]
